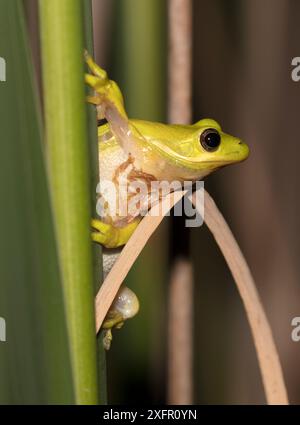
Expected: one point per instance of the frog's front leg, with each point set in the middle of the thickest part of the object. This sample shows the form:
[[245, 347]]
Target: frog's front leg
[[111, 236], [106, 89]]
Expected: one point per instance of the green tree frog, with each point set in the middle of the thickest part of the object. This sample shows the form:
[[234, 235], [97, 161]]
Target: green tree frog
[[132, 150]]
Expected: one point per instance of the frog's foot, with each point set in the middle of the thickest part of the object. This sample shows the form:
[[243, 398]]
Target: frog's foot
[[125, 306], [94, 68], [105, 233], [107, 336], [111, 236], [113, 319], [107, 339], [106, 89]]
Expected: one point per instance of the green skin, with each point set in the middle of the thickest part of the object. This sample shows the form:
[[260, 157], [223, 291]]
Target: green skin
[[164, 152], [175, 148]]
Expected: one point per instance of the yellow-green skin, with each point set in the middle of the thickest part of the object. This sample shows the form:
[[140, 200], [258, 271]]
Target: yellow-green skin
[[158, 152], [148, 151]]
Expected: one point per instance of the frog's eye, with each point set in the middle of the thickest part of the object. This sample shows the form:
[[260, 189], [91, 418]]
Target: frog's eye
[[210, 139]]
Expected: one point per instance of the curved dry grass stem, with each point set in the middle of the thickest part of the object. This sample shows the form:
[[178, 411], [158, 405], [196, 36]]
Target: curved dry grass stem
[[268, 358], [129, 254]]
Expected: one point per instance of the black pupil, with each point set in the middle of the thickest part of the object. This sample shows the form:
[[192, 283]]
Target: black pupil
[[210, 139]]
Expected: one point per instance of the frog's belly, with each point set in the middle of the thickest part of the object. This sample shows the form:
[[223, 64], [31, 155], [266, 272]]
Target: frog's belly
[[110, 159], [114, 205]]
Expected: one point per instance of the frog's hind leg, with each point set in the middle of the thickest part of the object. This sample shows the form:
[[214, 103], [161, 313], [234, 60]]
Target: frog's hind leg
[[125, 306], [106, 89]]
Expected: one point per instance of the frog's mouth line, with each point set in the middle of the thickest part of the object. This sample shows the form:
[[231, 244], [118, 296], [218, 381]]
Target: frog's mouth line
[[172, 155]]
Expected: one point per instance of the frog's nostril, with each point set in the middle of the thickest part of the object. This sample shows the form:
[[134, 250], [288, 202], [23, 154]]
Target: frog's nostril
[[240, 142]]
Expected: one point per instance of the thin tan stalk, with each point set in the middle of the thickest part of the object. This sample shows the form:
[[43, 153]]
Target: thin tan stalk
[[180, 61], [180, 296], [268, 358], [180, 335]]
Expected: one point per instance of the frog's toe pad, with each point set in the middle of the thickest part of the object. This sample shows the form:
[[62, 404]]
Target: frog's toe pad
[[101, 226], [107, 338], [106, 233], [94, 68]]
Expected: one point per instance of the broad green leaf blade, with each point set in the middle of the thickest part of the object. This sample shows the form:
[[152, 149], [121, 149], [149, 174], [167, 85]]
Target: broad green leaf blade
[[34, 361]]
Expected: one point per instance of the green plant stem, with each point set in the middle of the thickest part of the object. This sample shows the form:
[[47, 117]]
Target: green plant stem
[[67, 145], [94, 160]]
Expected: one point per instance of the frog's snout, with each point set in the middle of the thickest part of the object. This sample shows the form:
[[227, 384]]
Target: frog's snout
[[243, 149]]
